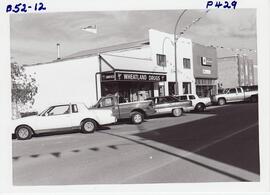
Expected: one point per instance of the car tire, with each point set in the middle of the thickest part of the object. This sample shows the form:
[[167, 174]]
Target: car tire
[[221, 101], [23, 133], [177, 112], [200, 107], [136, 117], [88, 126], [254, 99]]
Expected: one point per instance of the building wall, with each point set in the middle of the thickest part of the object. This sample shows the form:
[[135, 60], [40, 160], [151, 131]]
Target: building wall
[[236, 71], [163, 43], [204, 71], [228, 72], [255, 70], [65, 82]]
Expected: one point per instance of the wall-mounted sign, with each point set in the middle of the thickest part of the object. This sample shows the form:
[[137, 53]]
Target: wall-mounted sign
[[108, 76], [131, 76], [205, 61], [205, 71]]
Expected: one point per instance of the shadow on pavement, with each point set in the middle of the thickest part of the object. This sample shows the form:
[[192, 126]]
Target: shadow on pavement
[[206, 137]]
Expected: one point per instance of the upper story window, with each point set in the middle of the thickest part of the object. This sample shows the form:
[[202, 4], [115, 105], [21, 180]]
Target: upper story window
[[161, 60], [186, 63]]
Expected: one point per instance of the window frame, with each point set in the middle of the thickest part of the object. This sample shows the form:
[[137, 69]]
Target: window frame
[[185, 64], [160, 62], [53, 107]]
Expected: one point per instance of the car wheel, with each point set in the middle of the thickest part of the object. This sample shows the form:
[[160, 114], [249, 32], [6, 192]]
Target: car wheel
[[254, 99], [23, 133], [221, 101], [177, 112], [89, 126], [200, 107], [136, 117]]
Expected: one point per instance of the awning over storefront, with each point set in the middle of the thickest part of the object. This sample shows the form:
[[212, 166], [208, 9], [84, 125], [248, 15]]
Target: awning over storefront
[[122, 68]]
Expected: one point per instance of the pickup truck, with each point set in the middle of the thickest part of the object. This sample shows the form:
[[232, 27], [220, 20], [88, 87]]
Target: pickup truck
[[170, 105], [199, 103], [135, 111], [70, 116], [236, 94]]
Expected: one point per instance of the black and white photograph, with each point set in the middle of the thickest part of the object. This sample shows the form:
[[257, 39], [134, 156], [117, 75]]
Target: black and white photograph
[[135, 96]]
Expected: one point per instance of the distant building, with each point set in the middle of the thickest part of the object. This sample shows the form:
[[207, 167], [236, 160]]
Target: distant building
[[235, 71], [205, 69]]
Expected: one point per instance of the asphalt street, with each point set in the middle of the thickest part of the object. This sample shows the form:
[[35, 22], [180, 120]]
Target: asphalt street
[[218, 145]]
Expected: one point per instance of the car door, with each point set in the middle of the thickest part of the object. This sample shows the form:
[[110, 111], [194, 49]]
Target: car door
[[162, 106], [56, 118], [231, 95], [108, 103], [240, 94]]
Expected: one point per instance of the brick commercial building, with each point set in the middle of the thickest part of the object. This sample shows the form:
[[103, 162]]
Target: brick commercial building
[[205, 69]]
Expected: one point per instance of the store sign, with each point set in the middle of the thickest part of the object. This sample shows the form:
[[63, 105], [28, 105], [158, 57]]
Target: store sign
[[122, 76], [205, 61], [108, 76], [205, 71], [126, 76]]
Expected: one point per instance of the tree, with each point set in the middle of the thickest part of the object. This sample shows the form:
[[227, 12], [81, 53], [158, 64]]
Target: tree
[[23, 89]]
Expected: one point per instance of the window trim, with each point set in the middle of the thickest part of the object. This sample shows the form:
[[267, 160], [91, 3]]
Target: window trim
[[51, 108], [189, 65], [159, 61]]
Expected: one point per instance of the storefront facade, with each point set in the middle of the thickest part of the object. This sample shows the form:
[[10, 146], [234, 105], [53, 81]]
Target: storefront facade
[[205, 70], [162, 45], [130, 85]]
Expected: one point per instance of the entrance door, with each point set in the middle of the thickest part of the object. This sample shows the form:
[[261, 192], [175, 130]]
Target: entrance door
[[171, 88], [186, 87]]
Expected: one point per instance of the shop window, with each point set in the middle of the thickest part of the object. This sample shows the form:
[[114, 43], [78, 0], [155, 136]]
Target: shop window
[[186, 63], [186, 87], [161, 60]]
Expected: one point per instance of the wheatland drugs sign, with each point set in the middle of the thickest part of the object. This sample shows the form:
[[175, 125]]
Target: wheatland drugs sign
[[130, 76]]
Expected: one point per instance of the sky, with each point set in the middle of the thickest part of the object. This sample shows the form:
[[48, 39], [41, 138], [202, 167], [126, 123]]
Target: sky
[[34, 36]]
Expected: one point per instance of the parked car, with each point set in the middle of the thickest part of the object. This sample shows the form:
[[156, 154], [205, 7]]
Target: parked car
[[135, 111], [62, 117], [235, 95], [199, 103], [170, 105]]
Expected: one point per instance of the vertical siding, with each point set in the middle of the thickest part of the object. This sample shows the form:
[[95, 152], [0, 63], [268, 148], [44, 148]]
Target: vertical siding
[[228, 72]]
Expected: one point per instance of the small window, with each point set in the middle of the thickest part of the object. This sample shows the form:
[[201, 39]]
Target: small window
[[161, 60], [191, 97], [107, 102], [186, 63], [162, 100], [74, 108], [239, 90], [59, 110], [183, 97], [171, 99], [233, 90]]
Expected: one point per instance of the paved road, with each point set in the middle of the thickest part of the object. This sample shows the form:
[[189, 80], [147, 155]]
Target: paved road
[[218, 145]]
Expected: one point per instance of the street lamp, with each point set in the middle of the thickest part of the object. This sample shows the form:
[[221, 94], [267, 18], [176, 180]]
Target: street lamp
[[175, 52]]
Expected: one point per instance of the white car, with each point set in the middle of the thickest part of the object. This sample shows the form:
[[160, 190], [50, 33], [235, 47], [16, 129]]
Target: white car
[[62, 117], [199, 103]]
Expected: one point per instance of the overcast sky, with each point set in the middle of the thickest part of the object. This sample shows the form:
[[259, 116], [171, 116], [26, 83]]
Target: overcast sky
[[34, 36]]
